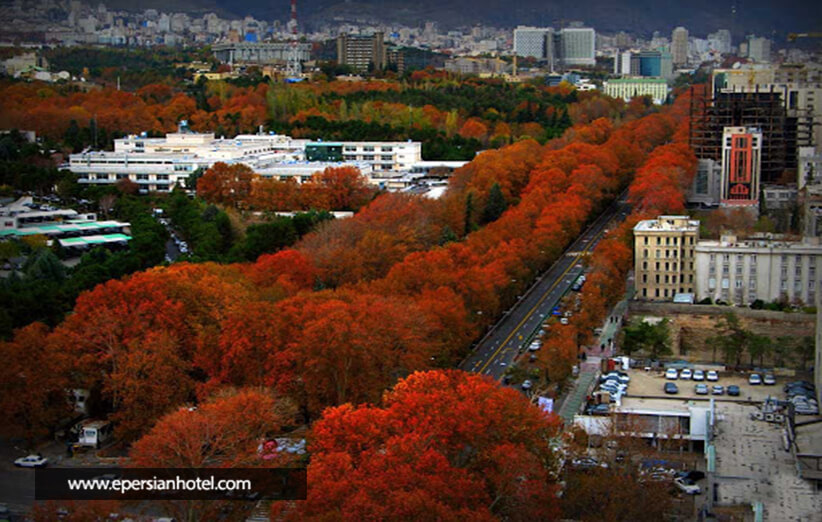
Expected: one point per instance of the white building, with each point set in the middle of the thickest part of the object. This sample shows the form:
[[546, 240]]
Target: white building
[[742, 271], [759, 49], [628, 88], [159, 164]]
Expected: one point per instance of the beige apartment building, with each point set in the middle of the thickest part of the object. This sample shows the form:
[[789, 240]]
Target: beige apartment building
[[664, 257]]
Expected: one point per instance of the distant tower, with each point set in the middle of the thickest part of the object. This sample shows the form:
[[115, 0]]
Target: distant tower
[[679, 46], [293, 68]]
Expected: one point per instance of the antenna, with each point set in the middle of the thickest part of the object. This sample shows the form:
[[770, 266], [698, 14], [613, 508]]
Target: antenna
[[293, 66]]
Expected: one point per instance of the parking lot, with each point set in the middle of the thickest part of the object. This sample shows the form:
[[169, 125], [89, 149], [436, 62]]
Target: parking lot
[[650, 384]]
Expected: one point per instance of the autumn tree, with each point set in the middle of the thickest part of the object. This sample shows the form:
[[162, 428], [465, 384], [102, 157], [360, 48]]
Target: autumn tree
[[226, 184], [33, 384], [443, 443]]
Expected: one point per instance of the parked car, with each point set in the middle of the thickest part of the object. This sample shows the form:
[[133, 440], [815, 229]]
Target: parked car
[[527, 385], [671, 388], [686, 374], [600, 409], [564, 320], [620, 376], [687, 486], [712, 376], [701, 389], [754, 379], [671, 374], [733, 390], [556, 311], [718, 389], [534, 346], [804, 384], [32, 461], [769, 379], [699, 375]]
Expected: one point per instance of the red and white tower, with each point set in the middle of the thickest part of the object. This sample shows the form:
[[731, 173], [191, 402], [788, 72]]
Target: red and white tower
[[293, 66]]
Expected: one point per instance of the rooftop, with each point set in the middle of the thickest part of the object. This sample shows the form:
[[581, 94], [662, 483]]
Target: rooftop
[[668, 223]]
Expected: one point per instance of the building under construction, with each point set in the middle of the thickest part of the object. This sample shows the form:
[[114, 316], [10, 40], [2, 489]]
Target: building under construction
[[763, 109]]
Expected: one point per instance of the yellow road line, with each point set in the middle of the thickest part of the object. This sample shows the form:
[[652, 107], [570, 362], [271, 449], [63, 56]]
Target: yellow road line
[[544, 296]]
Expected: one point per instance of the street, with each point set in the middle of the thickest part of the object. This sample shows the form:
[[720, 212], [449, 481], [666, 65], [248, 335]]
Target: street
[[498, 349]]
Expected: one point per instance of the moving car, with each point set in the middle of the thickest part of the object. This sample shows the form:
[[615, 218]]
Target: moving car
[[733, 390], [671, 374], [701, 389], [754, 379], [699, 375], [718, 389], [671, 388], [32, 461], [686, 374], [712, 376], [769, 379]]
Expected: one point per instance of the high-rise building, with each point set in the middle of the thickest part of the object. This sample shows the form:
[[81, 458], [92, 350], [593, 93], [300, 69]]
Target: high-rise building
[[720, 41], [577, 46], [741, 157], [362, 52], [534, 42], [664, 257], [759, 49], [679, 46]]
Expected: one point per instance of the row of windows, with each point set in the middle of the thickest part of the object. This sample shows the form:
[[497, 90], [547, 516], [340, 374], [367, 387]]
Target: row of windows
[[669, 279], [672, 240], [668, 253], [668, 266], [666, 293]]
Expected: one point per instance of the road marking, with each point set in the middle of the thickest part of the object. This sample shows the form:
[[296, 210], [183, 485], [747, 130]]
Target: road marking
[[531, 311]]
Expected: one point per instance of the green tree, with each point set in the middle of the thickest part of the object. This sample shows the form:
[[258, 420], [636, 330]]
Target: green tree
[[495, 205], [732, 339], [783, 350], [805, 351], [758, 347], [653, 338]]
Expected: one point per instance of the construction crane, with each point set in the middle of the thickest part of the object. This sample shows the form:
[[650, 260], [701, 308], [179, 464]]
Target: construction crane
[[793, 36]]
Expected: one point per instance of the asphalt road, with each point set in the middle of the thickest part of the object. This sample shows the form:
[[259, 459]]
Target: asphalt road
[[498, 349]]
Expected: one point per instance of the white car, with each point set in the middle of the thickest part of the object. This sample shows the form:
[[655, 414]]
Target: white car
[[686, 374], [687, 486], [32, 461], [527, 385], [712, 376], [564, 320], [672, 374], [534, 346], [699, 375], [754, 379]]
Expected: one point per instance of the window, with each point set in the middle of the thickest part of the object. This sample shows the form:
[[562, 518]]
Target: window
[[726, 258], [142, 177], [644, 278], [645, 265], [645, 253], [738, 283], [713, 257], [646, 240], [368, 149], [711, 283]]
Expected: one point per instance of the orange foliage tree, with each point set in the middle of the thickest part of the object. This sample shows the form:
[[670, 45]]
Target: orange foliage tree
[[443, 443]]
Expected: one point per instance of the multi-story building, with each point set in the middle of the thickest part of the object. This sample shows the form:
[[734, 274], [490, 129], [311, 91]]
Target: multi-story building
[[766, 269], [259, 53], [383, 156], [159, 164], [706, 187], [679, 46], [741, 164], [533, 42], [664, 257], [720, 41], [759, 49], [577, 46], [362, 52], [644, 63], [478, 66], [570, 46], [628, 88]]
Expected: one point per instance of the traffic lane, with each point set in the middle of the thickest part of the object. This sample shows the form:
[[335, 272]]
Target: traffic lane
[[508, 353], [507, 326]]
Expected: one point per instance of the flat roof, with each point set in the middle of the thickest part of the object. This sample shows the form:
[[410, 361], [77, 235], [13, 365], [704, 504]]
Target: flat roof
[[63, 228], [638, 80], [658, 406], [93, 240], [665, 223]]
